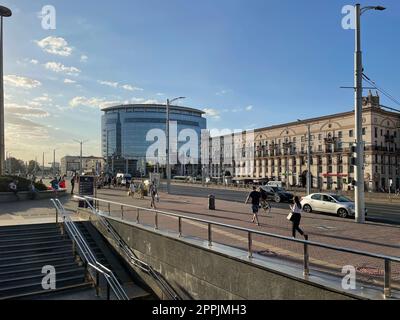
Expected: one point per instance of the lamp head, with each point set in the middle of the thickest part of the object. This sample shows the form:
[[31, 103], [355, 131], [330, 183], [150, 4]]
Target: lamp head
[[380, 8], [5, 12]]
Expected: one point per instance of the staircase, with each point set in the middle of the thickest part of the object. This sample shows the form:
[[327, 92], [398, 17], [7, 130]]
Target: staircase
[[25, 250]]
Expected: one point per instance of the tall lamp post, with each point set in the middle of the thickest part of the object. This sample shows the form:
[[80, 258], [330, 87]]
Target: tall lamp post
[[4, 12], [80, 157], [167, 147], [308, 157], [358, 74]]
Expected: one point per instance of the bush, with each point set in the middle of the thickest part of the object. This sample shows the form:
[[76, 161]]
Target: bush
[[23, 184]]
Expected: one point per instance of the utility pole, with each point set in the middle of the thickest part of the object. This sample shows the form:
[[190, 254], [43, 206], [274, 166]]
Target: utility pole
[[358, 85], [43, 166], [168, 166], [54, 162], [80, 157], [309, 159], [4, 12]]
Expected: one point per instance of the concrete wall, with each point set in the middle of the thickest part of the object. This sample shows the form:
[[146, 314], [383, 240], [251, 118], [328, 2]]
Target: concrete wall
[[199, 273]]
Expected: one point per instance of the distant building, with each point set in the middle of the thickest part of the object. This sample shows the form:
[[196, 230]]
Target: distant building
[[90, 165], [124, 130], [280, 151]]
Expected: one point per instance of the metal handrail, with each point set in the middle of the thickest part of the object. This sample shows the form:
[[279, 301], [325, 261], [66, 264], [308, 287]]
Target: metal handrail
[[88, 256], [129, 253], [386, 258]]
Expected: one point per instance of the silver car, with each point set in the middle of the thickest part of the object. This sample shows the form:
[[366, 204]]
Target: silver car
[[329, 203]]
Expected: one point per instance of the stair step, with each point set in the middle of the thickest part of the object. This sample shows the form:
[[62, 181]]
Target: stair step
[[21, 235], [32, 239], [29, 227], [33, 278], [33, 288], [34, 257], [29, 270], [49, 248], [34, 244], [36, 264]]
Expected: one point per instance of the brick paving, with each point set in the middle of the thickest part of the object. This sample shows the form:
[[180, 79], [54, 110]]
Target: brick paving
[[371, 237]]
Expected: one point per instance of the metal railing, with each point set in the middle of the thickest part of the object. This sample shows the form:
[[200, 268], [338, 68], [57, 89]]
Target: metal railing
[[387, 289], [80, 245], [127, 251]]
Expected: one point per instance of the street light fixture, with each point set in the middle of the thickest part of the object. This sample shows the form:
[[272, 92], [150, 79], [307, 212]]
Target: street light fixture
[[358, 86], [4, 12], [168, 167], [81, 143]]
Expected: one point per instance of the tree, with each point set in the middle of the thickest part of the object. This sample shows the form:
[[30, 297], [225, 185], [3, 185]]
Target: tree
[[15, 166], [33, 167]]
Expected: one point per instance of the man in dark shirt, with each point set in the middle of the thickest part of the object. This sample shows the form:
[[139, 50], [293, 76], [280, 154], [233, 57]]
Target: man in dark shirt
[[255, 203]]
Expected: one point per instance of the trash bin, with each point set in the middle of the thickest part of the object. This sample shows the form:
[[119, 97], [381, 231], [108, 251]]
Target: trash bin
[[211, 202]]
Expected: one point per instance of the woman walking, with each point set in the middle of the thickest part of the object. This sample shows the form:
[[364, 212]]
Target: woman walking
[[296, 218]]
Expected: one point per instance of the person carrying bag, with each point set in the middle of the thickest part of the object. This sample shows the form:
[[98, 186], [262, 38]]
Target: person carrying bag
[[295, 217]]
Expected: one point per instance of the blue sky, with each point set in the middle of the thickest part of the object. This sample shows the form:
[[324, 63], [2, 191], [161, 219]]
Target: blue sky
[[247, 63]]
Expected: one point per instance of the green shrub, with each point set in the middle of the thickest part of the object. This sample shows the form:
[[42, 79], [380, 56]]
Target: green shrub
[[23, 184]]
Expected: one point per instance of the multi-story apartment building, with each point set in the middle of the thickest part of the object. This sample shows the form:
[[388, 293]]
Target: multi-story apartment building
[[280, 152]]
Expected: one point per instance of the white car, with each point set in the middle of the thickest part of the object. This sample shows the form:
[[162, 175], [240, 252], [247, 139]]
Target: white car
[[329, 203]]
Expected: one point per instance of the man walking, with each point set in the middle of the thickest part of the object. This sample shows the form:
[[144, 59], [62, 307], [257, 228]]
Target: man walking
[[72, 184], [255, 204]]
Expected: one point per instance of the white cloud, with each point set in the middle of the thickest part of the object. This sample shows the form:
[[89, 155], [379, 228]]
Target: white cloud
[[69, 81], [92, 102], [131, 88], [34, 61], [249, 108], [160, 94], [109, 83], [25, 111], [117, 85], [84, 58], [59, 67], [223, 92], [55, 45], [212, 113], [21, 82]]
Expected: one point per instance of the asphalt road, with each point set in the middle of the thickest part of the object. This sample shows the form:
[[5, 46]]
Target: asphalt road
[[377, 212]]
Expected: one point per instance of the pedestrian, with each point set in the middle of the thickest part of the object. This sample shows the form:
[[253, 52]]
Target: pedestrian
[[132, 190], [141, 190], [13, 187], [153, 193], [255, 204], [295, 217], [72, 184]]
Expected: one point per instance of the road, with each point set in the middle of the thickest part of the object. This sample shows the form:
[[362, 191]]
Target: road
[[377, 212]]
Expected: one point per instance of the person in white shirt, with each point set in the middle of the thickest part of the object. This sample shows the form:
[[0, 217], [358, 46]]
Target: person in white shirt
[[296, 217], [132, 189]]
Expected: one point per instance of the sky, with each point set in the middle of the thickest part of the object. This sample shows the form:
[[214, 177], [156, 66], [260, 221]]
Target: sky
[[246, 63]]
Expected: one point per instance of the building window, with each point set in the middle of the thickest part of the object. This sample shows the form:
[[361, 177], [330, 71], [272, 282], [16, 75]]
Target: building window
[[376, 132], [351, 133], [351, 169], [364, 130], [320, 137], [320, 148], [340, 134]]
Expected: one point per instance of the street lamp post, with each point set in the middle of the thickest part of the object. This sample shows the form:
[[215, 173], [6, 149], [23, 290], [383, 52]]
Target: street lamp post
[[4, 12], [80, 157], [167, 142], [358, 74], [308, 157]]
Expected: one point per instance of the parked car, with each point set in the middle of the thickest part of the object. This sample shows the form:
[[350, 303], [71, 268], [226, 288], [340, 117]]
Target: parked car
[[329, 203], [277, 194]]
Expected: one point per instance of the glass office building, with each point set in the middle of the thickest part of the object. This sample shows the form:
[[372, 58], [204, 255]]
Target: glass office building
[[125, 128]]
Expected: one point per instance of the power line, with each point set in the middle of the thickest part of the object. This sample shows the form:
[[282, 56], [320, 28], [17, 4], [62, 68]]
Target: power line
[[384, 92]]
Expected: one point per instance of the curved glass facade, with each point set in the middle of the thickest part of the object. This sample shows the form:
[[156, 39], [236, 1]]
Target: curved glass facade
[[124, 129]]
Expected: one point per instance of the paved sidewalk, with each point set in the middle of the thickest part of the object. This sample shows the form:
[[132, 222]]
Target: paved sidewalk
[[376, 238]]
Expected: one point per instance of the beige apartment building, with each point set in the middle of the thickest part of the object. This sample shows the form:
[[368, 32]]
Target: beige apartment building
[[280, 152]]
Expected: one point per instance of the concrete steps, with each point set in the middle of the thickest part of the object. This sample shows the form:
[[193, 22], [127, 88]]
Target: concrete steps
[[25, 250]]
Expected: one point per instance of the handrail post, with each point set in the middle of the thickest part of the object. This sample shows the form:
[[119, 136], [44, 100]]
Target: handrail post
[[97, 283], [122, 212], [109, 209], [74, 248], [56, 216], [180, 226], [306, 258], [250, 244], [137, 216], [209, 235], [156, 221], [388, 279], [108, 291]]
